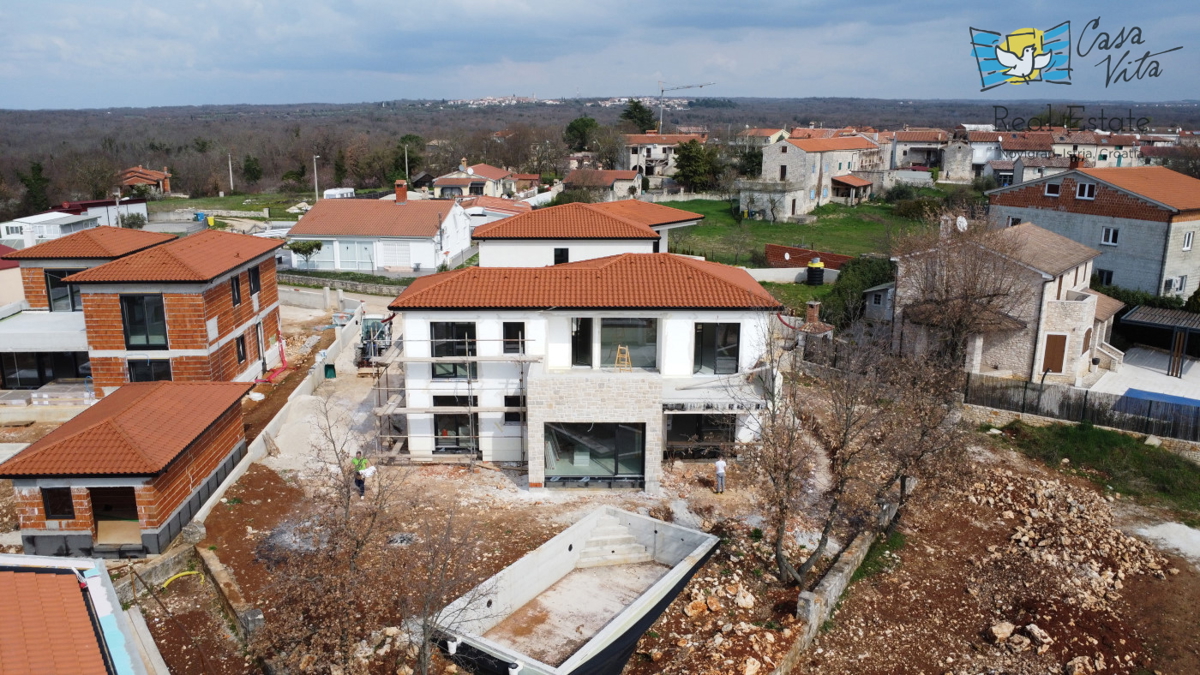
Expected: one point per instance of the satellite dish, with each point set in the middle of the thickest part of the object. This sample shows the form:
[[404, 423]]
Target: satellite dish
[[961, 224], [470, 171], [787, 256]]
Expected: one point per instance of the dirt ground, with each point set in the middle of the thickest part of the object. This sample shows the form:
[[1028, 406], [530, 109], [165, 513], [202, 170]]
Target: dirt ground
[[194, 638]]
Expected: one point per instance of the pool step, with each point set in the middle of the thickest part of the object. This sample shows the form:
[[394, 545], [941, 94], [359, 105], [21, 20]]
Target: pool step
[[611, 544]]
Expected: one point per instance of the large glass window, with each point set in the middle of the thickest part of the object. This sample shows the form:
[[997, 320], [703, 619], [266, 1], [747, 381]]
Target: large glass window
[[455, 432], [640, 336], [145, 321], [599, 450], [716, 348], [149, 370], [255, 279], [581, 342], [451, 338], [321, 260], [514, 337], [356, 255], [63, 297], [58, 503], [30, 370]]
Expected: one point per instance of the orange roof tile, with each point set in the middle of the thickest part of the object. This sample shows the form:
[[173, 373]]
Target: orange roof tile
[[374, 218], [490, 172], [792, 256], [923, 136], [983, 136], [136, 430], [831, 144], [201, 257], [1042, 142], [1156, 183], [598, 177], [800, 133], [628, 281], [569, 221], [852, 181], [97, 242], [45, 625], [663, 139], [496, 204], [647, 213]]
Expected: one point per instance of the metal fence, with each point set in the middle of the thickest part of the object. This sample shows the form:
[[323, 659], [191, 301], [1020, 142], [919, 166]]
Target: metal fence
[[1170, 420]]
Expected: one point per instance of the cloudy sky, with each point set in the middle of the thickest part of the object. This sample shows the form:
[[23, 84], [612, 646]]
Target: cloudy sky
[[113, 53]]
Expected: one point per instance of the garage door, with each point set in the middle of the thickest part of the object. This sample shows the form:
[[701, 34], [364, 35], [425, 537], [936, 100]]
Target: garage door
[[395, 254]]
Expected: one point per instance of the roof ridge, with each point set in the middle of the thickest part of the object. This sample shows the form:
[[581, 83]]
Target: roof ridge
[[599, 208]]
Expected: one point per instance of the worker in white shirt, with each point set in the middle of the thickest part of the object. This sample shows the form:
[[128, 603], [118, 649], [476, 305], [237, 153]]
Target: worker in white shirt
[[720, 474]]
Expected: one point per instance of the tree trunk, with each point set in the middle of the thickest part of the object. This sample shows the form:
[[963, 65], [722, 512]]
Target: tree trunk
[[900, 504], [820, 549], [786, 570]]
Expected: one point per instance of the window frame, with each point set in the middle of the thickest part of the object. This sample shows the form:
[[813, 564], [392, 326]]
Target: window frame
[[438, 346], [239, 345], [1104, 276], [513, 345], [1057, 190], [514, 401], [1110, 236], [564, 254], [74, 297], [583, 335], [126, 300], [1187, 240], [708, 350], [254, 278], [235, 289], [55, 513], [1085, 191], [153, 365]]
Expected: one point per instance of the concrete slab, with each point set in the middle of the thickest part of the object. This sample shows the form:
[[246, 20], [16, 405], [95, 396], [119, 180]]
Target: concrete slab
[[1146, 369], [552, 626], [43, 332]]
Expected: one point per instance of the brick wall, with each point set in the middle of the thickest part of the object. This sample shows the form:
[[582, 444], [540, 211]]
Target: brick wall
[[159, 499], [1108, 202], [185, 321], [33, 279], [191, 369], [102, 316], [31, 510]]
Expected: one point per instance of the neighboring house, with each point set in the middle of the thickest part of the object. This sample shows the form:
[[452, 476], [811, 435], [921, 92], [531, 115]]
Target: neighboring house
[[610, 185], [422, 181], [985, 147], [36, 229], [1098, 148], [1001, 170], [521, 365], [526, 181], [1014, 145], [45, 338], [879, 302], [653, 154], [366, 235], [799, 175], [200, 308], [484, 210], [1053, 336], [761, 137], [157, 182], [919, 147], [1032, 168], [474, 180], [575, 232], [107, 211], [122, 478], [792, 256], [11, 289], [1144, 219], [64, 616]]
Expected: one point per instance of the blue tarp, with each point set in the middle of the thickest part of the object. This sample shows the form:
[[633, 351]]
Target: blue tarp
[[1161, 398]]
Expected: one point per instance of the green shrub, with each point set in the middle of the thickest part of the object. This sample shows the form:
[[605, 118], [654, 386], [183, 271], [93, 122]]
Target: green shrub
[[900, 192], [1133, 298], [922, 208]]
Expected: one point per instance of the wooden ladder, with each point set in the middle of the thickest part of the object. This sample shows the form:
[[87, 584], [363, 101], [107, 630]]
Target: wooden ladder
[[623, 363]]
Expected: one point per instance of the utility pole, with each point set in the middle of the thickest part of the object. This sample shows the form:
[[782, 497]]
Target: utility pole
[[407, 177], [230, 156], [663, 90], [316, 189]]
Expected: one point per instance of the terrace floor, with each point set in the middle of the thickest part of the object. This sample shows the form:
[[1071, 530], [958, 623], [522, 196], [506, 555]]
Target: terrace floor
[[555, 624], [1146, 369]]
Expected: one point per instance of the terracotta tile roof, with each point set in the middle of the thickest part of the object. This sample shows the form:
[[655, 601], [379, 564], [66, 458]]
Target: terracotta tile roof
[[7, 264], [1156, 183], [496, 204], [1048, 162], [800, 133], [829, 144], [569, 221], [139, 175], [647, 213], [374, 218], [852, 181], [527, 176], [1106, 307], [792, 256], [923, 136], [45, 626], [96, 242], [758, 132], [136, 430], [1160, 150], [628, 281], [663, 139], [598, 177], [1117, 139], [1044, 250], [201, 257], [457, 181], [1038, 142], [1002, 164], [1075, 137], [490, 172], [983, 136]]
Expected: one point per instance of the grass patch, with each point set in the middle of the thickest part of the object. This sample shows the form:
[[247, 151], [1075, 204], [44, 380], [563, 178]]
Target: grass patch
[[796, 296], [473, 261], [879, 558], [1124, 463], [360, 277], [849, 230]]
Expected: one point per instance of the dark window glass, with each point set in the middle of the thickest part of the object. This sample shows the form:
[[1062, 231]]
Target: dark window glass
[[453, 339], [639, 336], [58, 503], [240, 343], [716, 348], [514, 402], [150, 370], [235, 289], [477, 189], [514, 337], [581, 342], [145, 321], [595, 449], [63, 297], [255, 278], [1105, 277], [561, 256]]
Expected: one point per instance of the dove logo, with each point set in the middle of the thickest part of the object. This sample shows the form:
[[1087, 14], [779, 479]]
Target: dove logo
[[1023, 56]]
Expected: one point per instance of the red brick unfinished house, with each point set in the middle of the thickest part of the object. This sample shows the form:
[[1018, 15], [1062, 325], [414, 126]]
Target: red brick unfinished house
[[200, 308], [123, 477]]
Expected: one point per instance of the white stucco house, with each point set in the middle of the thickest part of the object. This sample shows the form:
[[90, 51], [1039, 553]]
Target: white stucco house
[[587, 372], [575, 232], [37, 229], [653, 154], [365, 235]]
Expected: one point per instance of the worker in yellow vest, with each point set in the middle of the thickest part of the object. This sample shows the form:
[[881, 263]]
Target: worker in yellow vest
[[360, 464]]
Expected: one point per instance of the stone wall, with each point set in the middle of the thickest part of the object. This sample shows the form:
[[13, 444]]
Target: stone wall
[[595, 396], [387, 290]]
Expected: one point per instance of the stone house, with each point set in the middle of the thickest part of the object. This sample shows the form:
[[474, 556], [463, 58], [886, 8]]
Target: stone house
[[370, 235], [1097, 148], [1015, 144], [122, 478], [157, 182], [799, 175], [1059, 330], [1144, 219], [760, 137], [1032, 168], [653, 154], [919, 147], [587, 372], [608, 185], [576, 232]]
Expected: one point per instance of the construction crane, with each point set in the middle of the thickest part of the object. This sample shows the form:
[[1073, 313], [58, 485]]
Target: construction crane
[[662, 90]]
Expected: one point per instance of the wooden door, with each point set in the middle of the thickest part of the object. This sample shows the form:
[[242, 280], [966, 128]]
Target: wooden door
[[1056, 349]]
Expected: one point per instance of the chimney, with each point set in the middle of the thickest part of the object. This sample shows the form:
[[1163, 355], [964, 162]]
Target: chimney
[[813, 313], [401, 192], [1076, 161]]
